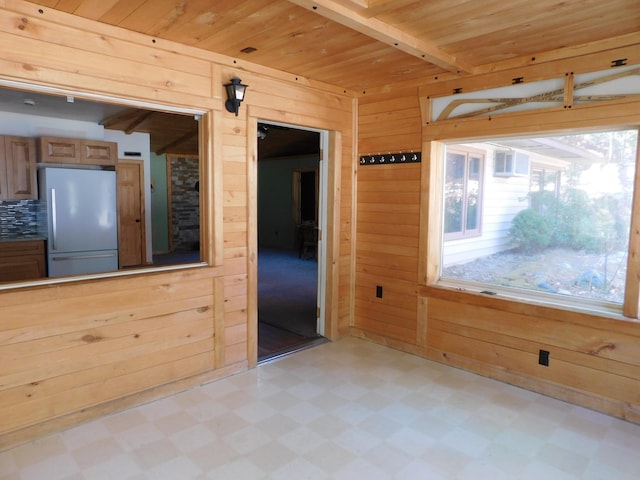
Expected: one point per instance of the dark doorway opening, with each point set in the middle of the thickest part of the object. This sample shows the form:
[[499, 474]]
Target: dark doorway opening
[[288, 163], [308, 194]]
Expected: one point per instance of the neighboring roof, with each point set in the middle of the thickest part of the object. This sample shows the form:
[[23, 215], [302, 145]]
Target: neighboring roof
[[552, 148]]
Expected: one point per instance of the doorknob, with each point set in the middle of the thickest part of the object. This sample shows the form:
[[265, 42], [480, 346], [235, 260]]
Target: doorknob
[[137, 220]]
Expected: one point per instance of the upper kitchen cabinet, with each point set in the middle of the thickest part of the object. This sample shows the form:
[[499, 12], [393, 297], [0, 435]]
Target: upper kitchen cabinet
[[17, 168], [75, 151], [58, 150], [95, 152]]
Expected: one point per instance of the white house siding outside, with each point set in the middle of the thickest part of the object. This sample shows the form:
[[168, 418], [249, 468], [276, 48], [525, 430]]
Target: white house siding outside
[[502, 198]]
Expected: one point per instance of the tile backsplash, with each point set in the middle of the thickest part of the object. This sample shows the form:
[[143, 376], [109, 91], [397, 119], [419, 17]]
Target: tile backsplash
[[18, 217]]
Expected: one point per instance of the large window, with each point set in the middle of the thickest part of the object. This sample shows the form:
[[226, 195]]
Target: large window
[[463, 193], [561, 230]]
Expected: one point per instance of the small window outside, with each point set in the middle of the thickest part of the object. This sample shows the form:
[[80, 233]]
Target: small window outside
[[561, 230], [508, 164]]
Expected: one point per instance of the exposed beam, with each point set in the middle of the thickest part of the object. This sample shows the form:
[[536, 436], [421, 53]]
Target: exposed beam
[[167, 148], [140, 117], [125, 115], [354, 4], [383, 32], [376, 7]]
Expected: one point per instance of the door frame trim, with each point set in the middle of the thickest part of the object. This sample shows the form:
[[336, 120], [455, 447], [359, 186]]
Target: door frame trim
[[331, 155]]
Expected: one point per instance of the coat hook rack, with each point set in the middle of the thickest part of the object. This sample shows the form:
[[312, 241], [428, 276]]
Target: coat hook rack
[[391, 158]]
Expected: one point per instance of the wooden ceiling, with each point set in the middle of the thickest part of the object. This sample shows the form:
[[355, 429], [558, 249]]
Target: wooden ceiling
[[168, 132], [360, 44]]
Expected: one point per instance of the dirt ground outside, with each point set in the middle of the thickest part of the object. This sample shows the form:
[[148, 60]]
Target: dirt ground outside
[[562, 271]]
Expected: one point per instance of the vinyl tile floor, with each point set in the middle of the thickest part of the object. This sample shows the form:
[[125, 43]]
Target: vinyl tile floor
[[344, 410]]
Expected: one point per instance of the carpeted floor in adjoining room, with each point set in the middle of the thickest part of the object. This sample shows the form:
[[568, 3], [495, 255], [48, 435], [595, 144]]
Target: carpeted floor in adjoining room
[[287, 291]]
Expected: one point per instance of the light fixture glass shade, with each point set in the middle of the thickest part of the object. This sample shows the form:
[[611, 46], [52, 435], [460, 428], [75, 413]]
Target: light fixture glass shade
[[240, 88], [235, 94]]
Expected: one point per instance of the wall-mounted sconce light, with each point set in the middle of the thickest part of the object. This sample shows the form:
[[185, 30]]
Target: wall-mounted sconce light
[[235, 95]]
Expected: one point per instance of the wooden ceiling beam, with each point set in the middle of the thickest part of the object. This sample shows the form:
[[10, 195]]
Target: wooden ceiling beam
[[125, 115], [376, 7], [140, 118], [354, 4], [383, 32], [187, 136]]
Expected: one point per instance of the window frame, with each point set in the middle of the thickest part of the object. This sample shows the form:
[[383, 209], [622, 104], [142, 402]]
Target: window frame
[[514, 125], [468, 153]]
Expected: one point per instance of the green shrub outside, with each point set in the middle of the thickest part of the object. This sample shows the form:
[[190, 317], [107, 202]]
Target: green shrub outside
[[530, 231], [574, 221]]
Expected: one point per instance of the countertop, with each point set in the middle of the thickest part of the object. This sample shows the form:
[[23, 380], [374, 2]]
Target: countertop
[[21, 238]]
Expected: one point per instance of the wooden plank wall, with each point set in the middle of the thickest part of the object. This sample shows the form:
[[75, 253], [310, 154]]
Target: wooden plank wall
[[298, 105], [388, 217], [71, 351], [594, 360], [70, 347]]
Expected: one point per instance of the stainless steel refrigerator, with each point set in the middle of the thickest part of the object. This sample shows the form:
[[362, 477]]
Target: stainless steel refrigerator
[[81, 220]]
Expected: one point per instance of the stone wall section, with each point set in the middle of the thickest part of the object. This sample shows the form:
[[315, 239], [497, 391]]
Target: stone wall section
[[185, 204]]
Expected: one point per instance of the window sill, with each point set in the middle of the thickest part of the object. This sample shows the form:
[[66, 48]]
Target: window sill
[[97, 276], [528, 303]]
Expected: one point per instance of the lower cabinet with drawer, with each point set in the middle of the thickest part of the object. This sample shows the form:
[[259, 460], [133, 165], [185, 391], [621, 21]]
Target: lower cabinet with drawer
[[22, 260]]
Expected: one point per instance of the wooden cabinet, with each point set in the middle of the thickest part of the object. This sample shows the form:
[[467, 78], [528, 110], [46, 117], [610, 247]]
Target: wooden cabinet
[[94, 152], [58, 150], [17, 168], [22, 260], [76, 151]]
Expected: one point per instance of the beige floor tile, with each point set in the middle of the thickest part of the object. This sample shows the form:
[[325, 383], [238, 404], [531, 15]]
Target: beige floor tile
[[237, 469], [301, 440], [181, 468], [192, 438], [120, 466], [299, 467], [52, 468], [330, 457], [360, 468], [96, 452], [270, 457], [343, 410], [388, 458]]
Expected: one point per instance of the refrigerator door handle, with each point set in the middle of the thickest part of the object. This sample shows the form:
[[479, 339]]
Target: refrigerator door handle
[[54, 219], [83, 257]]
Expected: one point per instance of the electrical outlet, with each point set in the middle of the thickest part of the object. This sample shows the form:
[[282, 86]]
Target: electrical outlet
[[379, 291], [543, 358]]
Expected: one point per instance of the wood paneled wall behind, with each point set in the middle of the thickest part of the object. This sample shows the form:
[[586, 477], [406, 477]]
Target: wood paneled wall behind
[[594, 359], [74, 350], [388, 217]]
